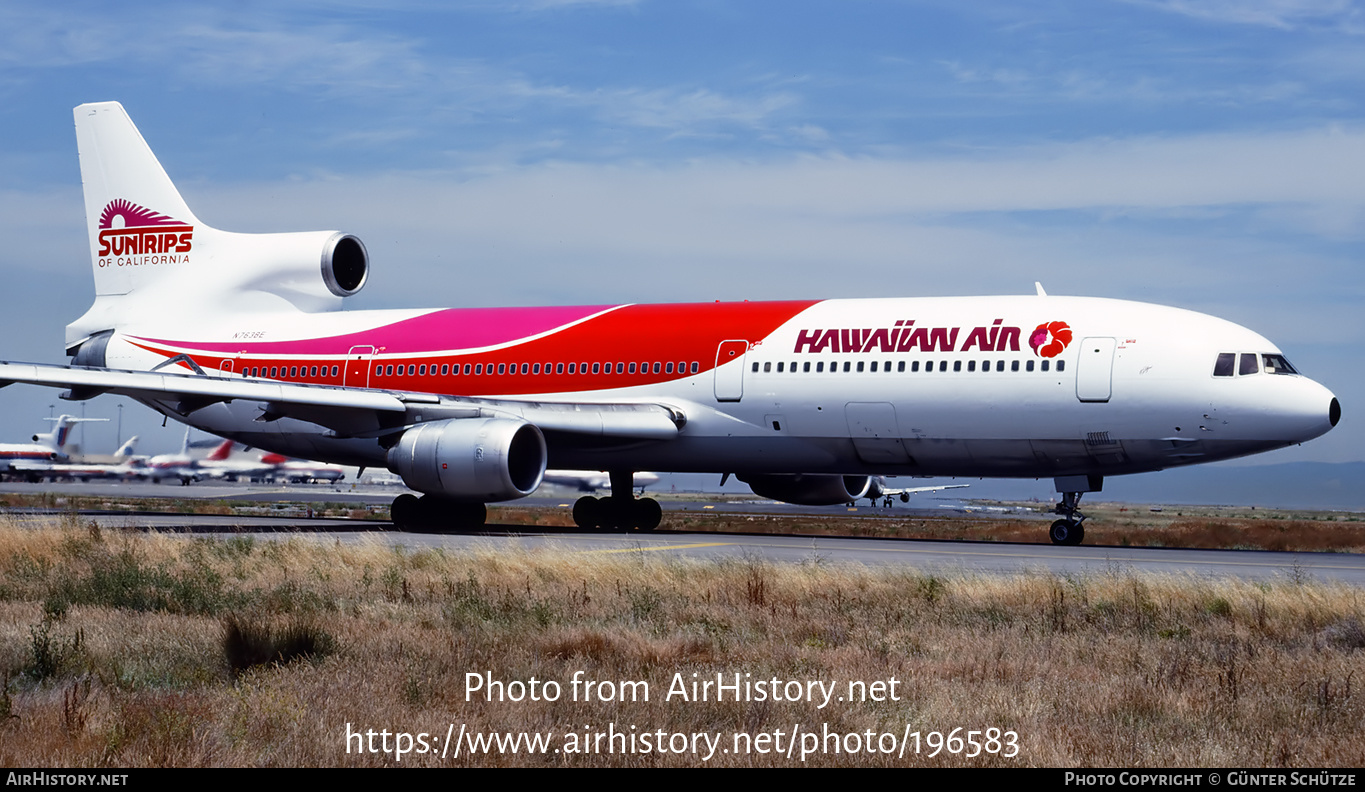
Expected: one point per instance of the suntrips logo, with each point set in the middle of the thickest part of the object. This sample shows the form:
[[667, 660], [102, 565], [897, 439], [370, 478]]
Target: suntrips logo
[[906, 337], [134, 236], [1050, 338]]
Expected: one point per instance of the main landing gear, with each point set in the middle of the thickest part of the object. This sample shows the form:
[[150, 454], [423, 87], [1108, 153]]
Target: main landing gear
[[621, 511], [429, 514], [1069, 530]]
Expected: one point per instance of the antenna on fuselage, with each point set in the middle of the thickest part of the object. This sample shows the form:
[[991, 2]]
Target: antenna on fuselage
[[1039, 286]]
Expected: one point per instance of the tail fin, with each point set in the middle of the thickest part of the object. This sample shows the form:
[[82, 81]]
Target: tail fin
[[136, 218], [151, 255], [127, 449], [222, 452], [56, 439]]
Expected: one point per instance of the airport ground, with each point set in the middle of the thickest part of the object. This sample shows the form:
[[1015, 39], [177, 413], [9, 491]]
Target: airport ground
[[235, 645]]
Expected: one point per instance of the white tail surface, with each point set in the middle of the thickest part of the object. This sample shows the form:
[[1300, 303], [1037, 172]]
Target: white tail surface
[[138, 223], [152, 257]]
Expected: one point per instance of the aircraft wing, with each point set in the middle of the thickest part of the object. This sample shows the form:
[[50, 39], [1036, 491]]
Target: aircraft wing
[[348, 412]]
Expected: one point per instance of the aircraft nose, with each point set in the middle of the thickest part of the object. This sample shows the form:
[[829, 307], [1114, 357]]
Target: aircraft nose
[[1317, 409]]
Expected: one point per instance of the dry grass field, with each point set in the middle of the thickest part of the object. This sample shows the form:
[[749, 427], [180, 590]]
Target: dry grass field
[[133, 649]]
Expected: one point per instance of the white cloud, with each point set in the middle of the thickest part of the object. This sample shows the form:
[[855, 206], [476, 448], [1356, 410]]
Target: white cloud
[[1283, 14]]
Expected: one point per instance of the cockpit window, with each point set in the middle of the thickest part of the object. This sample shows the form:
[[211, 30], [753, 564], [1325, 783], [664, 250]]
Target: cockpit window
[[1276, 364], [1223, 367], [1246, 364]]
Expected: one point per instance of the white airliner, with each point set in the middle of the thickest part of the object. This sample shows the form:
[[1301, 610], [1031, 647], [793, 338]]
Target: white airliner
[[878, 490], [44, 448], [298, 471], [807, 401], [129, 465], [594, 480]]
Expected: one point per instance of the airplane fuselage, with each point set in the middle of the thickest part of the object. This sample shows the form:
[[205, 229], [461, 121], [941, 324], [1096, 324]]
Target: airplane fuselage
[[1029, 386]]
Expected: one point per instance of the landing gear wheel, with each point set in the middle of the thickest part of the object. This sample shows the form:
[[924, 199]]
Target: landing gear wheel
[[587, 513], [1066, 532], [593, 514], [435, 515], [648, 514], [406, 512]]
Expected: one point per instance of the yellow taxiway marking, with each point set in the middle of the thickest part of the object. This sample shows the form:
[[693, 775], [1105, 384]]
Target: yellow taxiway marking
[[661, 547]]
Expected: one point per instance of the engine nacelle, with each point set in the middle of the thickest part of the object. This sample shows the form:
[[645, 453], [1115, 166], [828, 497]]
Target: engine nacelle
[[345, 264], [311, 269], [808, 489], [471, 459]]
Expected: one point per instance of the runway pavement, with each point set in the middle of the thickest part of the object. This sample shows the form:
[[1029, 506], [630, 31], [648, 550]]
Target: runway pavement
[[937, 557]]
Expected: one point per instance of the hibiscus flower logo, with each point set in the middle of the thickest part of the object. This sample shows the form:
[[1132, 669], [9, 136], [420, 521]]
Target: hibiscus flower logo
[[1050, 338]]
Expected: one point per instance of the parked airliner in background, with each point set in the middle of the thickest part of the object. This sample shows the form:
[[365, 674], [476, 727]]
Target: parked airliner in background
[[299, 471], [807, 401], [594, 480], [127, 466], [878, 490], [45, 447]]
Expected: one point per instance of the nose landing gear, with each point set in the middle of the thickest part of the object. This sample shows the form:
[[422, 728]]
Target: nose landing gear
[[1069, 530]]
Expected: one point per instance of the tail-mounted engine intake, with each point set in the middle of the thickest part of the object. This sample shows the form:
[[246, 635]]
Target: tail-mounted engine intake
[[345, 264], [471, 459], [311, 269], [809, 489]]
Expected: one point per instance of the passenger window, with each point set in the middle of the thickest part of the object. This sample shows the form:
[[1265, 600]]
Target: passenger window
[[1246, 364], [971, 365], [957, 365], [1223, 366], [1028, 366], [1061, 365]]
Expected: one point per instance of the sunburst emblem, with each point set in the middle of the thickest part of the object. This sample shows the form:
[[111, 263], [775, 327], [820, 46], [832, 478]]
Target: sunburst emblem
[[126, 214]]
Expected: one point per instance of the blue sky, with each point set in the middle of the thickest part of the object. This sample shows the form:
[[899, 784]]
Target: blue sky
[[1209, 155]]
